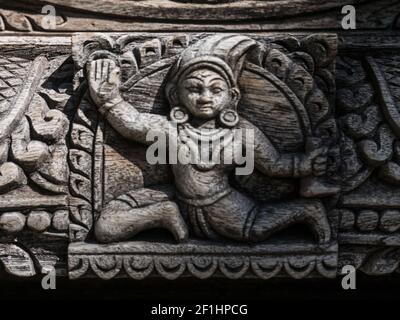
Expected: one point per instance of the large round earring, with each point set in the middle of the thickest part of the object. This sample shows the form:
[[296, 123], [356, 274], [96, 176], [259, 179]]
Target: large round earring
[[229, 118], [179, 115]]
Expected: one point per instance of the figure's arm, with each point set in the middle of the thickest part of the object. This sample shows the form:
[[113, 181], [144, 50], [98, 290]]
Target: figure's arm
[[103, 80], [270, 162], [132, 124]]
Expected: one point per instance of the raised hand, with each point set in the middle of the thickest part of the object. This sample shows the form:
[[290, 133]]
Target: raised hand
[[103, 79]]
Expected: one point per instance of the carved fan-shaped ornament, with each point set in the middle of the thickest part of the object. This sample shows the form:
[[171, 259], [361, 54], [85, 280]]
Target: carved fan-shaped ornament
[[287, 87]]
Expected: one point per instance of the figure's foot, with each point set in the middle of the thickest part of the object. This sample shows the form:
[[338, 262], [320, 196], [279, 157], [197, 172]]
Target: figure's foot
[[315, 217], [117, 223], [315, 188], [174, 222]]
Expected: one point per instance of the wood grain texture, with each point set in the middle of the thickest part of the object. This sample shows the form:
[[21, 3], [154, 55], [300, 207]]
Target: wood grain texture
[[239, 16], [176, 10], [140, 260], [50, 198]]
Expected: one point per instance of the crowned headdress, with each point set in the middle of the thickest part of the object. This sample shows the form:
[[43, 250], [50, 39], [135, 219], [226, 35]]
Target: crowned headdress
[[223, 54]]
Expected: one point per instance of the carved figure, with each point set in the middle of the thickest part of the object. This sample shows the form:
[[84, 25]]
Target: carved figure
[[203, 93]]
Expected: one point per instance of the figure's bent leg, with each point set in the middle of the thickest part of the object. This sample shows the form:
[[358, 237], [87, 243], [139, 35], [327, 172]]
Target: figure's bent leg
[[122, 219], [273, 218]]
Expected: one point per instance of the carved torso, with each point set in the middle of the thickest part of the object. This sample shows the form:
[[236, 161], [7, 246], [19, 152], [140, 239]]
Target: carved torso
[[207, 179]]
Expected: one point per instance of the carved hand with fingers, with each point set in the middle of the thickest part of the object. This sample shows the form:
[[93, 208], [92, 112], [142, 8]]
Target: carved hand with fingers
[[315, 159], [318, 160], [315, 162], [103, 79]]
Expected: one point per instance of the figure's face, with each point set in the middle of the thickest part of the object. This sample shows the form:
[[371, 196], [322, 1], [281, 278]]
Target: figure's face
[[204, 93]]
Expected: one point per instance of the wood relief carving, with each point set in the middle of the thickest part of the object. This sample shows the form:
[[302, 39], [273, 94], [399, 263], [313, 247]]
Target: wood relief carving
[[368, 115], [34, 170], [136, 84], [313, 114]]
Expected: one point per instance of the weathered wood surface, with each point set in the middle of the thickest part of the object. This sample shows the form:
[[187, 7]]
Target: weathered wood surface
[[61, 162], [203, 10], [140, 260], [213, 16]]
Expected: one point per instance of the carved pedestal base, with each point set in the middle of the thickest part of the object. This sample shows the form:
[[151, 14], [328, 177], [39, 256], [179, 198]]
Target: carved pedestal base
[[139, 260]]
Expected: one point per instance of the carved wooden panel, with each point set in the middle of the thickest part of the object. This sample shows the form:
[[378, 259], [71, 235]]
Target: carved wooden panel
[[77, 190], [289, 120]]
